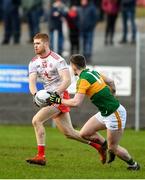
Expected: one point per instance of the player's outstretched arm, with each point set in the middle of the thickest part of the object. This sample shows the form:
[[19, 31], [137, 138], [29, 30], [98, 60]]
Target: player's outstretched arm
[[74, 102]]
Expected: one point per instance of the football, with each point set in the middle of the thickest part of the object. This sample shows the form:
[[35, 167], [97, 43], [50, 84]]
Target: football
[[41, 98]]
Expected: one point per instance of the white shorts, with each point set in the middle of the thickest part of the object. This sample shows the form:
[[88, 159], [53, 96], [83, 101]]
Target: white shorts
[[115, 121]]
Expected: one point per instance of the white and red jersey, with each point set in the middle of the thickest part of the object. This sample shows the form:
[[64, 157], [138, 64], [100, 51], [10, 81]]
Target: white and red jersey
[[47, 69]]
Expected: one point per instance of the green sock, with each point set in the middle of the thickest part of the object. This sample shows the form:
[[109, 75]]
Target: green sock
[[130, 161], [104, 145]]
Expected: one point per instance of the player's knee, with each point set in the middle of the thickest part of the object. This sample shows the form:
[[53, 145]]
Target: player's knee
[[34, 121]]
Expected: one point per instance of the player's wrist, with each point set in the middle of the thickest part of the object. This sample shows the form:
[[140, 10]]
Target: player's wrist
[[33, 94]]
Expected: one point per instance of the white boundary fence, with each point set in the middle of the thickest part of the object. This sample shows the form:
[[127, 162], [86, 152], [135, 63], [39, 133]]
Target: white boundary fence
[[140, 51], [137, 92]]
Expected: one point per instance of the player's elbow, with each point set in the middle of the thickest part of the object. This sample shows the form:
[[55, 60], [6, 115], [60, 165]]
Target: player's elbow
[[112, 84], [113, 88]]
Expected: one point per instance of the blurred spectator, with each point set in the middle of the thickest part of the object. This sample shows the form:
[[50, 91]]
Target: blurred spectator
[[73, 24], [128, 12], [11, 20], [111, 9], [1, 10], [87, 23], [75, 2], [32, 10], [68, 2], [98, 4], [55, 21], [140, 3]]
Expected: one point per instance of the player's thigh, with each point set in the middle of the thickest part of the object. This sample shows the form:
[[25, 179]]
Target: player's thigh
[[115, 124], [63, 122], [45, 113], [91, 126], [113, 137]]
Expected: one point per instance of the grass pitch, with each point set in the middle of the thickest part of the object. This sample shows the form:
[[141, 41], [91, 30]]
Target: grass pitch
[[67, 159]]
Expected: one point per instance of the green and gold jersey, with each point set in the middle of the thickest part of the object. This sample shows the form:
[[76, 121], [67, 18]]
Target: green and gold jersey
[[92, 84]]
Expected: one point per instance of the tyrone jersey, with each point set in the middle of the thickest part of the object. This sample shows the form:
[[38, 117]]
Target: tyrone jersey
[[47, 69], [92, 84]]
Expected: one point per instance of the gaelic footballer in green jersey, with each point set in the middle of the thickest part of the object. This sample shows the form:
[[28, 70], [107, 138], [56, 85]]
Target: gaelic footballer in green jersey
[[111, 115]]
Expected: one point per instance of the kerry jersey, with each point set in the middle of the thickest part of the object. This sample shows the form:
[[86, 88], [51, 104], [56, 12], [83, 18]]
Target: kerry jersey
[[92, 84], [47, 69]]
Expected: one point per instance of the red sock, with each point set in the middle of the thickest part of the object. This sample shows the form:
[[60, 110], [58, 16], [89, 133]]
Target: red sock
[[41, 150], [95, 145]]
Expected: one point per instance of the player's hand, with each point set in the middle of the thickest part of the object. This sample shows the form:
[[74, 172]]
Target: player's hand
[[55, 98], [35, 101]]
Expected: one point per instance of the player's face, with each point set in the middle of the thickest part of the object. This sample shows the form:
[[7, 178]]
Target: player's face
[[39, 46]]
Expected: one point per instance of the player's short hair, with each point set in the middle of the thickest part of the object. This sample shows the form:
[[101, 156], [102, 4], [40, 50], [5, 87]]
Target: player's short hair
[[78, 60], [43, 36]]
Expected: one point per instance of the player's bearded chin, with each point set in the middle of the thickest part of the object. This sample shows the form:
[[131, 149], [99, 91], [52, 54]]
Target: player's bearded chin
[[75, 72], [41, 52]]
